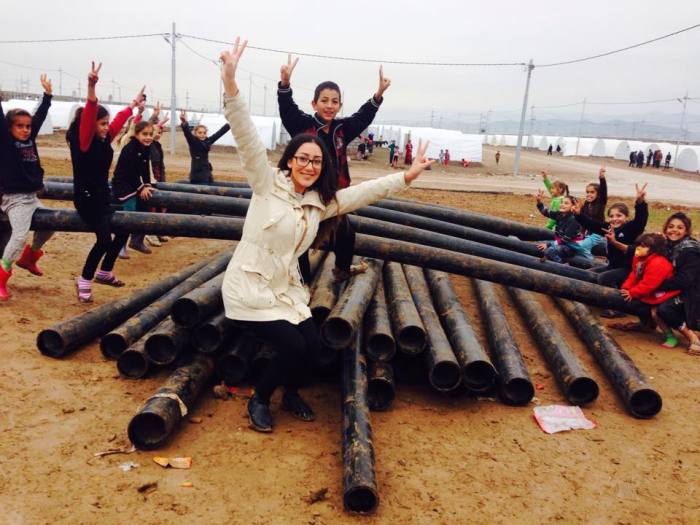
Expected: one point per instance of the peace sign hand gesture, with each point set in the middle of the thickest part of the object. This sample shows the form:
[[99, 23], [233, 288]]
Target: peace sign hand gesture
[[46, 84], [139, 99], [641, 192], [384, 84], [287, 69], [420, 162], [94, 74], [229, 64], [183, 117], [539, 197]]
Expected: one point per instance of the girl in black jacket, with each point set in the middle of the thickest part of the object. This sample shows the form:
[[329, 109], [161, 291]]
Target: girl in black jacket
[[200, 144]]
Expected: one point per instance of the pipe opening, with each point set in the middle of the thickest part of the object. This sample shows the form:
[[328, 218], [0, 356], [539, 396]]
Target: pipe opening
[[479, 376], [380, 395], [582, 390], [147, 430], [207, 338], [185, 313], [380, 347], [50, 343], [337, 333], [133, 365], [645, 403], [445, 376], [320, 314], [160, 349], [517, 391], [411, 340], [360, 499], [112, 345]]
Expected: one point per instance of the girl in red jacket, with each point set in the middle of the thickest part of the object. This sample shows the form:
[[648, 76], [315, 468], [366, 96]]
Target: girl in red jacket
[[650, 268]]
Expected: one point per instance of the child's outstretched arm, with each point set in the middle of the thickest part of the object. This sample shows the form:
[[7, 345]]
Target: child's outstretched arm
[[546, 181], [360, 120], [186, 131], [120, 118], [88, 119], [40, 115], [603, 192], [4, 128], [216, 136], [540, 205], [250, 148], [641, 211], [294, 119]]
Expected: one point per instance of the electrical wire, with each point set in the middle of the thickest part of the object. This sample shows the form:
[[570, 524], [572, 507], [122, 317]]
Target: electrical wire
[[82, 39], [584, 59]]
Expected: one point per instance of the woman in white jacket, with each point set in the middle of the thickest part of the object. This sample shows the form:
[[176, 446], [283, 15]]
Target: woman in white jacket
[[262, 288]]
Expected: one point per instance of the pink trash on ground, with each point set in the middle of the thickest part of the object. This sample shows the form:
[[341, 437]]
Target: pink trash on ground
[[558, 418]]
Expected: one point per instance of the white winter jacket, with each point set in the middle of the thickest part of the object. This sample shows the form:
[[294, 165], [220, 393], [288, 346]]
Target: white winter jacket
[[263, 281]]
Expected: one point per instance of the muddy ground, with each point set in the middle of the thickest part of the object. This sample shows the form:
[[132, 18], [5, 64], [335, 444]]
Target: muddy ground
[[440, 459]]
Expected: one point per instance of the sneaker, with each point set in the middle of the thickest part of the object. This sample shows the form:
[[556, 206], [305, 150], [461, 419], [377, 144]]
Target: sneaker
[[153, 240], [124, 254], [163, 238], [293, 403], [140, 248], [259, 414]]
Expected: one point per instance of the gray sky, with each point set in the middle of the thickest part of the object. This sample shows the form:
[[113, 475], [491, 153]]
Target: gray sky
[[440, 30]]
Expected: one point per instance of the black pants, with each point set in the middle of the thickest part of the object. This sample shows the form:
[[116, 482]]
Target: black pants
[[105, 246], [296, 347], [612, 278], [641, 310], [343, 246], [672, 312]]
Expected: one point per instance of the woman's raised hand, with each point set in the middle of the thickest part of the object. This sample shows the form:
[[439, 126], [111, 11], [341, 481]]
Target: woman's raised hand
[[229, 63], [139, 99], [46, 84], [94, 74], [287, 69], [420, 162]]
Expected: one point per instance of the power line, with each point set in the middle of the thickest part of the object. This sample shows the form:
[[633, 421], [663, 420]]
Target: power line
[[621, 49], [82, 39], [366, 60]]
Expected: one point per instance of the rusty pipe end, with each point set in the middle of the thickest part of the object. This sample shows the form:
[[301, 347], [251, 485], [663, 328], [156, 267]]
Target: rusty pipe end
[[645, 403], [582, 390], [147, 431], [479, 376], [132, 365], [445, 376], [185, 312], [50, 343], [337, 333], [411, 340], [361, 499], [207, 339], [380, 347], [517, 391], [320, 313], [160, 349], [112, 345], [380, 395]]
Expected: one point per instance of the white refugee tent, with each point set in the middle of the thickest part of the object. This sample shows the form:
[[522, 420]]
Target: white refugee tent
[[62, 113], [501, 141], [605, 147], [491, 140], [266, 127], [30, 106], [665, 147], [510, 140], [460, 145], [576, 146], [484, 139], [688, 158], [546, 141], [625, 147], [533, 141]]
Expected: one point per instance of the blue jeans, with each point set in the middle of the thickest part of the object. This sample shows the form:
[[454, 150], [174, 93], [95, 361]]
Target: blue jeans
[[562, 252], [592, 240]]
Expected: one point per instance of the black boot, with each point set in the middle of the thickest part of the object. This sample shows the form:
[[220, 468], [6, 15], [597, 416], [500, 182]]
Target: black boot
[[292, 402], [259, 414]]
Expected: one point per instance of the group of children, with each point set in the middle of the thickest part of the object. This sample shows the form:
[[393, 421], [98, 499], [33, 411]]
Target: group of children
[[90, 136], [658, 274]]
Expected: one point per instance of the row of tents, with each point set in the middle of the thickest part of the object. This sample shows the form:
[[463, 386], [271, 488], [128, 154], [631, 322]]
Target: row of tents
[[460, 145], [688, 155]]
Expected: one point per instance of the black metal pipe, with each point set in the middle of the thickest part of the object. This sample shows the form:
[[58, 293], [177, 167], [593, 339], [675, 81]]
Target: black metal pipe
[[210, 335], [406, 323], [233, 366], [444, 372], [205, 189], [222, 183], [359, 479], [640, 398], [199, 304], [410, 369], [161, 413], [381, 389], [478, 373], [166, 342], [324, 290], [66, 336], [133, 362], [574, 380], [339, 328], [119, 339], [514, 384], [379, 340]]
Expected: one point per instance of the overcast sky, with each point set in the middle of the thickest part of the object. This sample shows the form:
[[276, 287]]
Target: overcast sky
[[440, 30]]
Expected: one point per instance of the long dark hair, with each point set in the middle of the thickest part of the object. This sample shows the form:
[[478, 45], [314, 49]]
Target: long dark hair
[[11, 115], [327, 183], [654, 241], [72, 133], [679, 215]]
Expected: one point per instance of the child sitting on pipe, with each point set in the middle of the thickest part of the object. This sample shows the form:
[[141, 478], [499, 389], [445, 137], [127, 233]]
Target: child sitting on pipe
[[568, 233]]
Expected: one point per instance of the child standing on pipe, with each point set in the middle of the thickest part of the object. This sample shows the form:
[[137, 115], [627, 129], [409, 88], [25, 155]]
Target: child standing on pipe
[[199, 145], [336, 134], [262, 288], [90, 139], [21, 177]]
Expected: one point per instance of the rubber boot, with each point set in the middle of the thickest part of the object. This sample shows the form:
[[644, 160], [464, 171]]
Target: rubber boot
[[4, 276], [28, 260]]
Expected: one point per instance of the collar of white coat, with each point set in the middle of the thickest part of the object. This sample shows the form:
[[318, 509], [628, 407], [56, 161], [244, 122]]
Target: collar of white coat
[[284, 183]]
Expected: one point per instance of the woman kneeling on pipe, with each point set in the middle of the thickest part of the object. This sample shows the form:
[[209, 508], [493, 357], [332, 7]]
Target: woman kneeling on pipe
[[262, 288]]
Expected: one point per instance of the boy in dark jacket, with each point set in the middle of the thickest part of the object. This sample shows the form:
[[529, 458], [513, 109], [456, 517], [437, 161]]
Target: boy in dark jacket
[[336, 135], [200, 144], [21, 177], [568, 233]]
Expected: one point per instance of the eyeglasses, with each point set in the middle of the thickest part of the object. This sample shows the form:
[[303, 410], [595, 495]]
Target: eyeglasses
[[302, 162]]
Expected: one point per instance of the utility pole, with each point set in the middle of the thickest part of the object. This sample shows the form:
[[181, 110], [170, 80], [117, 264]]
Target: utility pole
[[518, 147], [60, 81], [681, 135], [580, 125], [173, 94], [432, 116], [488, 119], [265, 100], [532, 120]]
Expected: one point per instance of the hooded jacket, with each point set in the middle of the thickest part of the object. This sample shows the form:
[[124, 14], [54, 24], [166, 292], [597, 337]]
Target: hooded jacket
[[263, 281], [133, 171], [200, 167], [645, 279], [685, 257]]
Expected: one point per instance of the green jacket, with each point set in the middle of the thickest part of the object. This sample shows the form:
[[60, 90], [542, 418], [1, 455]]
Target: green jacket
[[553, 205]]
